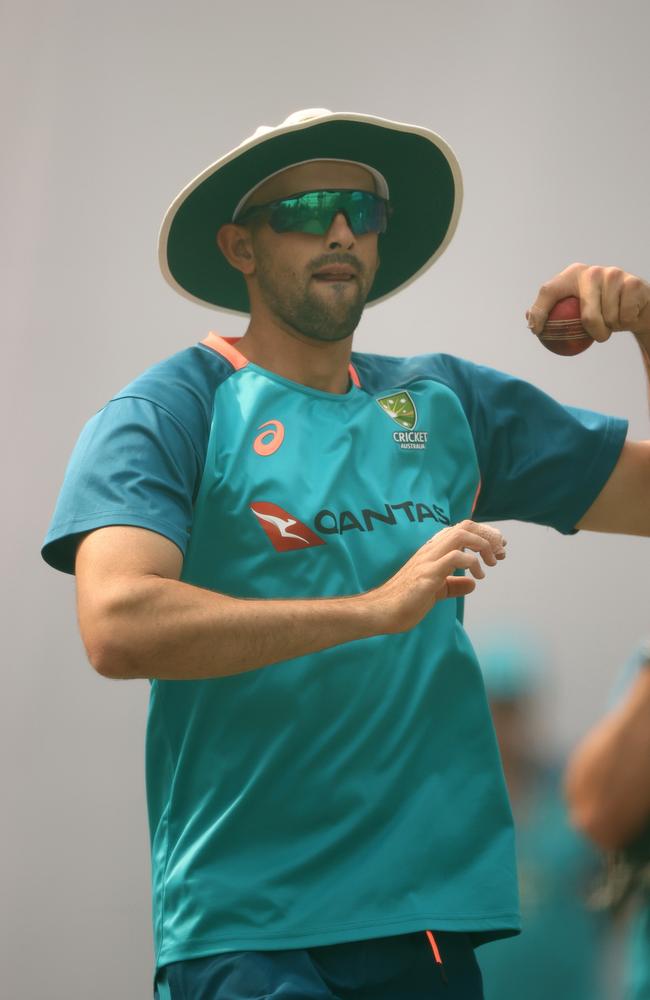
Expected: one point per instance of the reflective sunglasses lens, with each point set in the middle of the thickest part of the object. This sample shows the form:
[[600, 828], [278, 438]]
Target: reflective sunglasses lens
[[303, 214], [313, 212], [366, 213]]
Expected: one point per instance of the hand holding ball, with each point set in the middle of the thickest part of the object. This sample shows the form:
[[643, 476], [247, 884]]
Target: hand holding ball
[[564, 333]]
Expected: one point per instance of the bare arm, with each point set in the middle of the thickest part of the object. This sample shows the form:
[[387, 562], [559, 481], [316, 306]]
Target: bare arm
[[623, 505], [610, 299], [608, 776], [138, 619], [644, 344]]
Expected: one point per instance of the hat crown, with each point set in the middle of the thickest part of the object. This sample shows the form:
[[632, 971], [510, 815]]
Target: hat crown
[[307, 115]]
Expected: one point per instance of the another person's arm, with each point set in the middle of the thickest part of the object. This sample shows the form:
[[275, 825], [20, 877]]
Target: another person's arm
[[608, 776], [138, 619]]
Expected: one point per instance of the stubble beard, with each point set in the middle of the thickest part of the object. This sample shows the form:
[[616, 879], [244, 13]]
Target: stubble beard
[[310, 313]]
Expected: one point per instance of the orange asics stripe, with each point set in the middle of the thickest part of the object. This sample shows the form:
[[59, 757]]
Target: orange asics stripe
[[432, 942], [226, 347], [476, 496]]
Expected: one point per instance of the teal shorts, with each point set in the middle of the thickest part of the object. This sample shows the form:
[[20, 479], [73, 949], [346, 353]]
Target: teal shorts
[[404, 967]]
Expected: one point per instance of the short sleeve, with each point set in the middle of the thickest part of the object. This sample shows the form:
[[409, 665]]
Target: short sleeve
[[134, 464], [540, 461]]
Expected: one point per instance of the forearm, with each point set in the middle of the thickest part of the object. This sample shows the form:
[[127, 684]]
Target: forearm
[[161, 628], [608, 777], [137, 619], [643, 341]]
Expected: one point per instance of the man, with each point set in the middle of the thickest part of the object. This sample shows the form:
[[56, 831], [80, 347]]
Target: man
[[556, 866], [271, 532], [608, 791]]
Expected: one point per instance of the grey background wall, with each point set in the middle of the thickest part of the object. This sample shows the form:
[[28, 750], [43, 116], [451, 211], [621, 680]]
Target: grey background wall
[[108, 109]]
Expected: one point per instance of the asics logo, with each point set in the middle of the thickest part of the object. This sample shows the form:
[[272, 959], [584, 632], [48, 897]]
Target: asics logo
[[285, 532], [270, 439]]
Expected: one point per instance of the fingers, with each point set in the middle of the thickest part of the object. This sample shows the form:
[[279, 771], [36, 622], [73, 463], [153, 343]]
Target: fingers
[[597, 295], [430, 575], [610, 299], [457, 559], [462, 547], [477, 543], [560, 287], [482, 538], [457, 586], [491, 535], [634, 309]]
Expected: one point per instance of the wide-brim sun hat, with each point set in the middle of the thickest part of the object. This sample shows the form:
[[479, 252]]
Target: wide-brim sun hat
[[421, 171]]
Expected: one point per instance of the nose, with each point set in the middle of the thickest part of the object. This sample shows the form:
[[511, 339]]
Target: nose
[[339, 233]]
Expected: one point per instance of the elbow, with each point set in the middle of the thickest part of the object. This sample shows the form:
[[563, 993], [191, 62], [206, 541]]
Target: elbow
[[595, 814], [110, 630], [597, 824], [105, 655]]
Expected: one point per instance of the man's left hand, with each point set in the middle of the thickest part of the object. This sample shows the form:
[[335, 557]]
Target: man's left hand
[[610, 299]]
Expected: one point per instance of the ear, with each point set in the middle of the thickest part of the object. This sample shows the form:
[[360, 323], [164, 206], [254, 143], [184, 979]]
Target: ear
[[236, 246]]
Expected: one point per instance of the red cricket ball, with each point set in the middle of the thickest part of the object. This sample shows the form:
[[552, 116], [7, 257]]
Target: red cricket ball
[[564, 333]]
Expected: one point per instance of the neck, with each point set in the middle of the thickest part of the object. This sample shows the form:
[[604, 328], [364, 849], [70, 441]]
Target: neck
[[318, 364]]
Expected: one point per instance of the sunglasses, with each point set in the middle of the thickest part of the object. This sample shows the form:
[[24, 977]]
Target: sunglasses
[[313, 211]]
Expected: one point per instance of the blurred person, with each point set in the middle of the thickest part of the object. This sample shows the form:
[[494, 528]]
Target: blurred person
[[270, 530], [607, 786], [559, 952]]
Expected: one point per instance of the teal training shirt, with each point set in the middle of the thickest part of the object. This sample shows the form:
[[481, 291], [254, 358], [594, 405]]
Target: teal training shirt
[[637, 973], [357, 792]]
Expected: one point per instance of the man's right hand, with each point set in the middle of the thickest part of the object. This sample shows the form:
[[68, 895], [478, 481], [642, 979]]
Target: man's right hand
[[427, 578]]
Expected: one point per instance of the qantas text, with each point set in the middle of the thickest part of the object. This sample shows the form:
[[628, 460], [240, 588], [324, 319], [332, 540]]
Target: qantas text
[[330, 523]]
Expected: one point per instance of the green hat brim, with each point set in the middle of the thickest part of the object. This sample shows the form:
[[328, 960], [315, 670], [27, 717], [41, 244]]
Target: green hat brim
[[424, 181]]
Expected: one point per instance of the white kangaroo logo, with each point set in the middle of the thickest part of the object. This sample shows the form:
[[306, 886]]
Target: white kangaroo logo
[[281, 524]]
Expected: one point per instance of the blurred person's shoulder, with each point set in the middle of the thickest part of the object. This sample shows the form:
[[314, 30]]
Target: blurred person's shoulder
[[638, 660]]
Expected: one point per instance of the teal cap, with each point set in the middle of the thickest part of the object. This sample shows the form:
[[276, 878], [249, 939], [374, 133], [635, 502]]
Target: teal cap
[[511, 666]]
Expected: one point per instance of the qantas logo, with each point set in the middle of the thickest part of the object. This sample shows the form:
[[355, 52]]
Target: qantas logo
[[285, 531]]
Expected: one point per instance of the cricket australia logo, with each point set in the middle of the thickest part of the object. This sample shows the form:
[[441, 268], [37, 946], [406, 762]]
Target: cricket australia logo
[[400, 407]]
